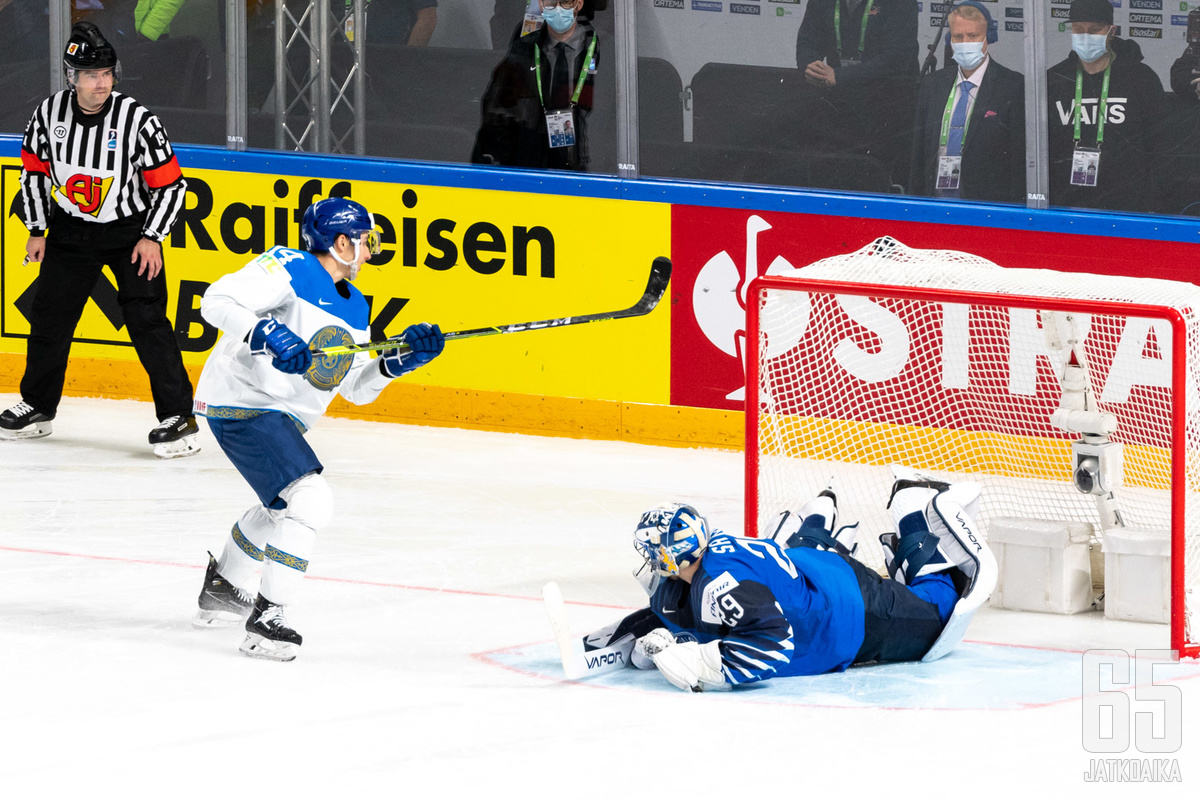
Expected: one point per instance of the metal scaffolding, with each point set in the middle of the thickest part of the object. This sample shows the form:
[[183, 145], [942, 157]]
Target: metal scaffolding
[[320, 76]]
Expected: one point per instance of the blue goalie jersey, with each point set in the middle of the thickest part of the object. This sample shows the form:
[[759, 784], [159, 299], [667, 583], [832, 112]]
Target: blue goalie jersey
[[776, 612]]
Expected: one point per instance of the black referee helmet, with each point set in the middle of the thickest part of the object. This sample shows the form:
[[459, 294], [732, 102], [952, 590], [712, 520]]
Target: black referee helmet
[[88, 49]]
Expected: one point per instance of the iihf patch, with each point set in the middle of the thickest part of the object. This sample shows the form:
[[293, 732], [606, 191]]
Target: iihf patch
[[112, 140]]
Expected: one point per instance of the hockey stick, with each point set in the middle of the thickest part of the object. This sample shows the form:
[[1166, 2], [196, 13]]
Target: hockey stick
[[656, 285], [576, 663]]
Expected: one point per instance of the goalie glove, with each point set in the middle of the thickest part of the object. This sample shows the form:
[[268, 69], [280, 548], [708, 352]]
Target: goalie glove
[[650, 645], [692, 666]]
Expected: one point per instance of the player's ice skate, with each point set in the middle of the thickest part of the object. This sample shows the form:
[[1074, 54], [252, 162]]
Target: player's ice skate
[[268, 635], [222, 605], [813, 525], [175, 437], [23, 421]]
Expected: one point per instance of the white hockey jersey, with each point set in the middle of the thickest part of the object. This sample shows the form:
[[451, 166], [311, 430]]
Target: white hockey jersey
[[292, 287]]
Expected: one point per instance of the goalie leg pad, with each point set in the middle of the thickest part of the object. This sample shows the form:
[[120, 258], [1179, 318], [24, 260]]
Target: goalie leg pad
[[976, 573]]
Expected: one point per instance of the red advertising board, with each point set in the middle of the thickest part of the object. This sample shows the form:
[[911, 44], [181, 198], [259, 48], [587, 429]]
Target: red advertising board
[[717, 251]]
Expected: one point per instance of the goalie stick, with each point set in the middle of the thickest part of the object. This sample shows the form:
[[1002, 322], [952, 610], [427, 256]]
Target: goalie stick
[[656, 285], [576, 663]]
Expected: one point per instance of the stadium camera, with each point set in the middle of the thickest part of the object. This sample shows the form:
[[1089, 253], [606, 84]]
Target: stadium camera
[[1099, 464]]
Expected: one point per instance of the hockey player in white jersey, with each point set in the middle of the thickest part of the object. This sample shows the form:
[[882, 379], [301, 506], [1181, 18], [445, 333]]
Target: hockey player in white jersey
[[726, 610], [261, 389]]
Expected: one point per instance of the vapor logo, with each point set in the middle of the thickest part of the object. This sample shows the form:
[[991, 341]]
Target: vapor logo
[[719, 299], [86, 192], [328, 372]]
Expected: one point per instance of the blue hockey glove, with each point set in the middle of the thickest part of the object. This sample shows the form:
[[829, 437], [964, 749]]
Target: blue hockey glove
[[425, 342], [289, 353]]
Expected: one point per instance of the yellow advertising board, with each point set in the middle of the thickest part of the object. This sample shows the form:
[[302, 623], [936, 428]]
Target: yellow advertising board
[[463, 258]]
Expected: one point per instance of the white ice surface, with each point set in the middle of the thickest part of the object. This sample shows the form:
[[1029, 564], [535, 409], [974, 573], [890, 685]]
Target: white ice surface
[[427, 667]]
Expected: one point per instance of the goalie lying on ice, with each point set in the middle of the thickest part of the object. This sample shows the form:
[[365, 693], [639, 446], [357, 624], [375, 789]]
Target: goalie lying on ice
[[726, 610]]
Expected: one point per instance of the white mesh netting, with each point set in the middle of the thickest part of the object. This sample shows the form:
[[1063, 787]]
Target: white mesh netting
[[850, 385]]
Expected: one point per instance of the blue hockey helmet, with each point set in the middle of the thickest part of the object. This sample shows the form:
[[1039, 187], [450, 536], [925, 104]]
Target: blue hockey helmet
[[327, 219], [671, 537]]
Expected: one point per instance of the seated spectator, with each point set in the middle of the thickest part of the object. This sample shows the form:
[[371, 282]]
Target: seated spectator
[[1185, 72], [969, 133]]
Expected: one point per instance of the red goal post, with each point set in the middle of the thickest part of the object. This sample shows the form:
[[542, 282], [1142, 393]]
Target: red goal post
[[941, 362]]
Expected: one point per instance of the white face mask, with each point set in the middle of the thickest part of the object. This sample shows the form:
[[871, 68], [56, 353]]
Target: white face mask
[[559, 19], [969, 55], [1089, 46]]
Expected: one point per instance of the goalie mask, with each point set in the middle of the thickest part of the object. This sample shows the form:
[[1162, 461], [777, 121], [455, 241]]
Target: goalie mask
[[671, 538], [88, 49]]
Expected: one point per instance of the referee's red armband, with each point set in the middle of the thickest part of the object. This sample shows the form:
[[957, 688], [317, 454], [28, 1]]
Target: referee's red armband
[[33, 163], [162, 176]]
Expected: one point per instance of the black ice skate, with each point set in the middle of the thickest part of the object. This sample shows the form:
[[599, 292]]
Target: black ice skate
[[23, 421], [175, 437], [222, 604], [268, 635]]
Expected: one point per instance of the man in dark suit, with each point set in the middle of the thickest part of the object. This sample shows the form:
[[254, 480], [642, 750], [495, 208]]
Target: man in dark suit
[[859, 62], [535, 110], [969, 137]]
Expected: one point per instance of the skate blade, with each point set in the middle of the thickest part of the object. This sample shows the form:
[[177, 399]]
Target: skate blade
[[177, 449], [217, 619], [257, 646], [34, 431]]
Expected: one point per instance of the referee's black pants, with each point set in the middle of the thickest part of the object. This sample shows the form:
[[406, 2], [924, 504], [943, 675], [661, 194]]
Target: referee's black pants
[[76, 251]]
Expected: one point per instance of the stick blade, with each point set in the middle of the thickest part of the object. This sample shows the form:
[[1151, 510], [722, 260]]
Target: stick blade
[[656, 285], [557, 612]]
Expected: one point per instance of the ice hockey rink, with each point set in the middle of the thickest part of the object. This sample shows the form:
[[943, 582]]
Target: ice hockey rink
[[428, 666]]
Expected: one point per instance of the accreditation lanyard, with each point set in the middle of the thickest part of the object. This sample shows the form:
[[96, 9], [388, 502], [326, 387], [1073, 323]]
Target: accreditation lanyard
[[837, 27], [949, 112], [1102, 111], [587, 62]]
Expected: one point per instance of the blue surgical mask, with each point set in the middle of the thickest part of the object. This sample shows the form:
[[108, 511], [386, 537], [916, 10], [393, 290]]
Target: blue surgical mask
[[1089, 46], [969, 55], [558, 18]]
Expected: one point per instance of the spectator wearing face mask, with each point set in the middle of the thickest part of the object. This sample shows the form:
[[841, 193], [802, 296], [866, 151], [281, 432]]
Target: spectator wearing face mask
[[1106, 117], [969, 135], [535, 110]]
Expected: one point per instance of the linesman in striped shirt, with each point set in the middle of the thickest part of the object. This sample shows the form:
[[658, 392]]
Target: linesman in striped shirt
[[100, 186]]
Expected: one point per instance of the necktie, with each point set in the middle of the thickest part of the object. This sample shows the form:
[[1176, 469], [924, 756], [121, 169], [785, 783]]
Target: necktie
[[560, 84], [958, 120]]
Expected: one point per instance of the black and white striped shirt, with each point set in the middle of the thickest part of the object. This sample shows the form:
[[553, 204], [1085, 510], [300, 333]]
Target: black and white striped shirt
[[100, 167]]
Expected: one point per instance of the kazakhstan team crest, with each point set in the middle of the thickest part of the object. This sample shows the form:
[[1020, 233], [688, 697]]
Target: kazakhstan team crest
[[328, 372]]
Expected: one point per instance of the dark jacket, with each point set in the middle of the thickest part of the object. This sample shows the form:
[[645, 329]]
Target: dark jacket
[[1182, 76], [889, 57], [1132, 132], [993, 165], [513, 129]]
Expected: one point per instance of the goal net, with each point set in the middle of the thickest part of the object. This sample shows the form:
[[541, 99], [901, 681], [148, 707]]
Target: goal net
[[945, 363]]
